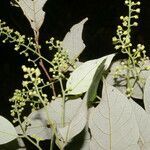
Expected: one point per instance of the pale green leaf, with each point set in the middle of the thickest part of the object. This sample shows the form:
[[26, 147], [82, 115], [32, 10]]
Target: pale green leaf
[[81, 79], [86, 142], [147, 95], [32, 9], [39, 119], [76, 125], [81, 141], [7, 131], [38, 128], [112, 123], [92, 92], [143, 120], [73, 42]]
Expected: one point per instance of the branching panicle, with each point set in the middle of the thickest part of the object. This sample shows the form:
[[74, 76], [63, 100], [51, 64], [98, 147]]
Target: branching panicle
[[31, 93], [129, 69]]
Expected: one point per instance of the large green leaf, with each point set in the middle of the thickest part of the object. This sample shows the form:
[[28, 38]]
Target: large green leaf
[[73, 42], [39, 119], [147, 95], [143, 121], [80, 142], [112, 123], [33, 11], [76, 125], [81, 79], [7, 131]]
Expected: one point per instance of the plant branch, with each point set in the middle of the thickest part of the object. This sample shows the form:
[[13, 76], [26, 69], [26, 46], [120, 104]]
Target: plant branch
[[63, 103]]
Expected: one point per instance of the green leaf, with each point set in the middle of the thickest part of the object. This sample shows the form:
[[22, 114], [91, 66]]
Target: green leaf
[[147, 95], [143, 121], [33, 11], [73, 42], [39, 121], [7, 131], [80, 142], [92, 92], [76, 125], [112, 123], [81, 79]]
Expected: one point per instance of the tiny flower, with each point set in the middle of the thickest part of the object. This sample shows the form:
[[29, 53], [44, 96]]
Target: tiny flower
[[44, 95], [138, 10], [125, 32], [135, 24], [138, 3], [119, 27], [37, 72], [125, 23], [121, 17], [136, 16], [134, 50], [114, 39], [24, 68], [117, 47], [130, 44], [25, 83], [53, 97], [126, 2]]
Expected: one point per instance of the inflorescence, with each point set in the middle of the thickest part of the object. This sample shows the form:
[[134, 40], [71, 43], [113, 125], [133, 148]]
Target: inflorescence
[[32, 92], [129, 68]]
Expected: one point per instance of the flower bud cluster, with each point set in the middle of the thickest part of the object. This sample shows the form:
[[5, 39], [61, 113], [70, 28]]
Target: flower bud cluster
[[19, 101], [60, 63], [11, 35], [139, 53], [33, 74], [34, 84], [31, 94], [123, 39], [22, 44], [54, 44], [130, 68]]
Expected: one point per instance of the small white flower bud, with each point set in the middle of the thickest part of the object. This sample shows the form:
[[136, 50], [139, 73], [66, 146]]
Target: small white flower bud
[[121, 17], [136, 16], [138, 3], [114, 39], [138, 10], [126, 2], [135, 24], [134, 50]]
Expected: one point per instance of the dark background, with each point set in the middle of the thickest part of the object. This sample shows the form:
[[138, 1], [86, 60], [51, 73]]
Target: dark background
[[60, 16]]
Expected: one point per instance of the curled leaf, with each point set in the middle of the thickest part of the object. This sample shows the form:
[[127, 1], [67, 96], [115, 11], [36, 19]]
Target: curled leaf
[[81, 79]]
